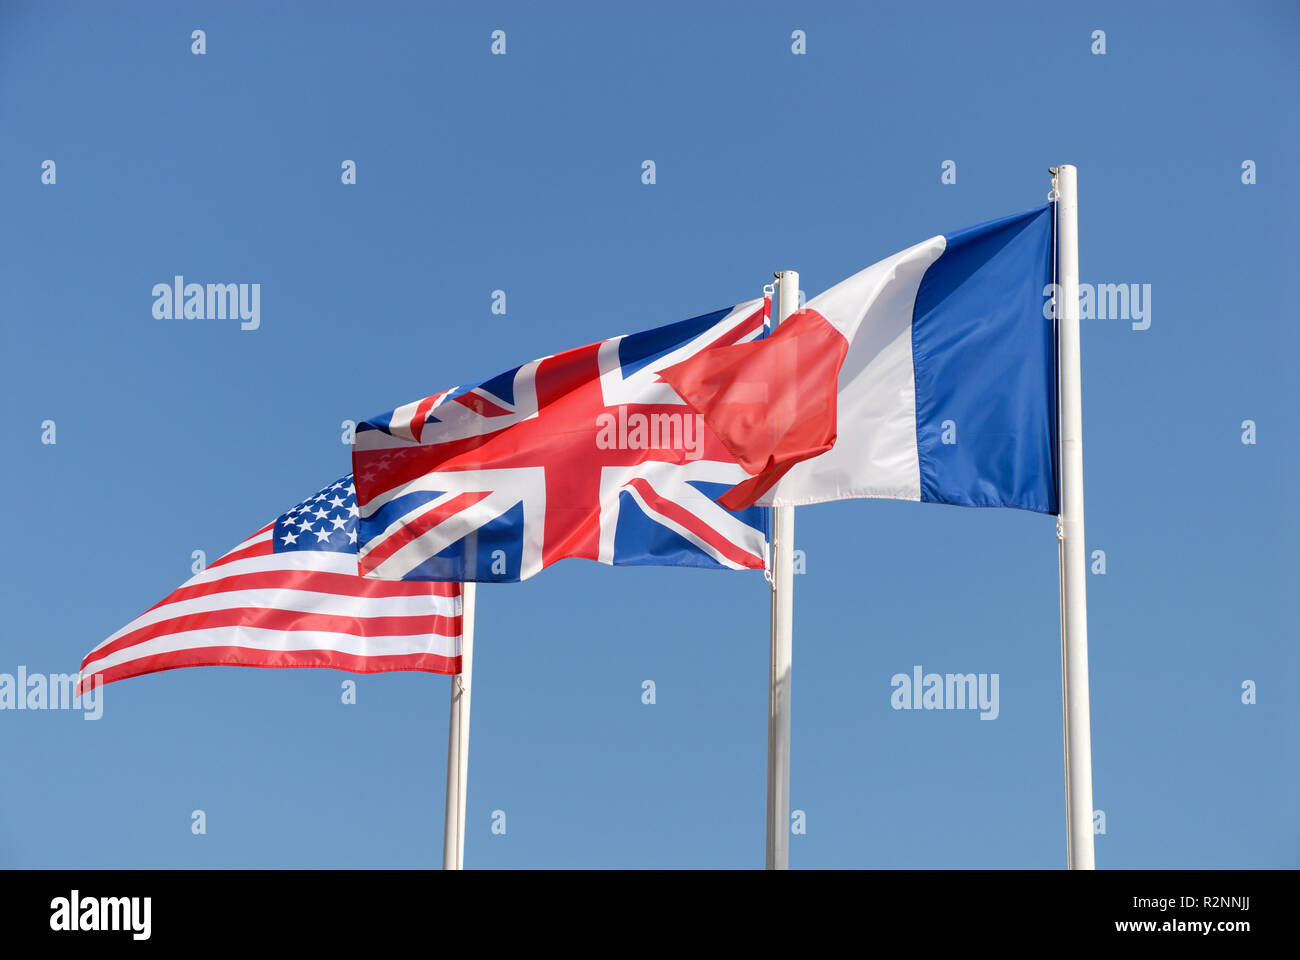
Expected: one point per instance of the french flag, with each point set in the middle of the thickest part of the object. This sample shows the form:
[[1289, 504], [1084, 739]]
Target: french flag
[[928, 376]]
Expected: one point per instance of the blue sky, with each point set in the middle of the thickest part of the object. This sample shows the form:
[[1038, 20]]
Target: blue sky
[[522, 172]]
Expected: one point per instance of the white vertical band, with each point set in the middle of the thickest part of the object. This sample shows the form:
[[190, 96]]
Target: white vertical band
[[782, 646], [453, 833], [1073, 552]]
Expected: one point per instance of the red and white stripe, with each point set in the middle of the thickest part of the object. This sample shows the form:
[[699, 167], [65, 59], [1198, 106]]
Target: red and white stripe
[[309, 608]]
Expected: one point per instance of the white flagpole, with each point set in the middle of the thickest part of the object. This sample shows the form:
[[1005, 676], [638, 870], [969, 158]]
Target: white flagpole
[[778, 704], [453, 833], [1073, 552]]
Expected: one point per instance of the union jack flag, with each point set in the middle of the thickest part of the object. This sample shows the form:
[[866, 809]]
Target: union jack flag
[[583, 454]]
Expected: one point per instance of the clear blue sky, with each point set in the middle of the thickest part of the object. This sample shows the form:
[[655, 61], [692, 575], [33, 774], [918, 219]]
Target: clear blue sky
[[523, 173]]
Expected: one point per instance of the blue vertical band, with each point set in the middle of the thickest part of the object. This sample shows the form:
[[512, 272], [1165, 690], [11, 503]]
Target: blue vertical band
[[984, 359]]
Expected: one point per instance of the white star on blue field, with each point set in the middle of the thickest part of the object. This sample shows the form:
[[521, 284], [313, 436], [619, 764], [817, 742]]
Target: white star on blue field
[[326, 521]]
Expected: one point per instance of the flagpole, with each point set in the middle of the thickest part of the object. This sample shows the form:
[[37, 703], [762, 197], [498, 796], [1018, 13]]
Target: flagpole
[[453, 834], [1072, 549], [782, 645]]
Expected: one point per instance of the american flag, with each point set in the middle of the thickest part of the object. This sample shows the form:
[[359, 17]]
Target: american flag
[[290, 596], [586, 453]]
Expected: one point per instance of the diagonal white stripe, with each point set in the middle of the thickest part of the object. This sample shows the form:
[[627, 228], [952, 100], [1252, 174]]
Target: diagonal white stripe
[[299, 601], [272, 640]]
